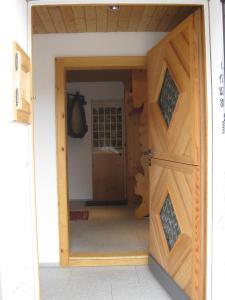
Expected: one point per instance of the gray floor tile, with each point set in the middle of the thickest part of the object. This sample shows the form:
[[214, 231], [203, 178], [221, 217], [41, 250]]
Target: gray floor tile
[[103, 275], [100, 283], [86, 292], [145, 275], [138, 292], [122, 235]]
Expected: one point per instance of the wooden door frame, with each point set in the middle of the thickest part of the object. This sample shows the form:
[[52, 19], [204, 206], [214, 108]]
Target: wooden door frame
[[86, 63], [63, 64]]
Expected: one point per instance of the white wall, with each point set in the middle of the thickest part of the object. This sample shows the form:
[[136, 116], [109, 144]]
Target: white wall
[[19, 268], [216, 208], [80, 150], [217, 216], [45, 49]]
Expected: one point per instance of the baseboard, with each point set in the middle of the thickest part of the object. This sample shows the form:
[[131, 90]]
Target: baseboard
[[97, 259], [49, 265], [165, 280]]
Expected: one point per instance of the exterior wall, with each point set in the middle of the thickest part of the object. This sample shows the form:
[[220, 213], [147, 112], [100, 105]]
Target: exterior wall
[[216, 173], [19, 266], [80, 150], [217, 218], [45, 49]]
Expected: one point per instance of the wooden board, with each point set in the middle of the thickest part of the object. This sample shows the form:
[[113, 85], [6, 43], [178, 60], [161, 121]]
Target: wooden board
[[178, 167], [109, 259], [142, 178], [108, 176], [177, 54], [133, 150], [134, 103], [22, 89], [99, 18], [182, 182], [139, 88], [100, 75]]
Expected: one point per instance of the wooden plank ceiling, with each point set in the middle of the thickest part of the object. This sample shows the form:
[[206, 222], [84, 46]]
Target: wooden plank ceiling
[[99, 18]]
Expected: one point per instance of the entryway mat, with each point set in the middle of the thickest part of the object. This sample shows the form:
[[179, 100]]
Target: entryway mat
[[79, 215], [105, 203]]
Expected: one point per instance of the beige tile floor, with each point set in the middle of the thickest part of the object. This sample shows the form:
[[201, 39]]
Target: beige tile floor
[[100, 283], [109, 229]]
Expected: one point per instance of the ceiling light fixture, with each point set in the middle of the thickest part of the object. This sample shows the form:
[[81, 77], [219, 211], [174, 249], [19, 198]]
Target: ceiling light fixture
[[114, 7]]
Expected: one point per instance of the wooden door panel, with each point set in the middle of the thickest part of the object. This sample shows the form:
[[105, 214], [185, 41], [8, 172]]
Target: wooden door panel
[[181, 183], [108, 177], [173, 63]]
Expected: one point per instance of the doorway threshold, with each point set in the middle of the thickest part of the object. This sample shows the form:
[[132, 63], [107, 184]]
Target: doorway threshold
[[98, 259]]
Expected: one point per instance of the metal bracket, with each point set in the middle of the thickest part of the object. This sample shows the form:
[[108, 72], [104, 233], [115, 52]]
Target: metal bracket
[[148, 153], [17, 97], [16, 61]]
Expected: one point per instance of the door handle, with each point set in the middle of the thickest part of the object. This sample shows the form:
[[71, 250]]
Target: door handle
[[148, 152]]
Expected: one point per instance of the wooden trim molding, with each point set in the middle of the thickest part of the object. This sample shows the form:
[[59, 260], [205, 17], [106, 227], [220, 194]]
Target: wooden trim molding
[[109, 259], [200, 39], [103, 62], [62, 163], [61, 66]]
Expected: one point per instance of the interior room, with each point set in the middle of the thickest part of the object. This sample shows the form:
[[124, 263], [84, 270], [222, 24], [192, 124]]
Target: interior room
[[117, 123], [101, 172]]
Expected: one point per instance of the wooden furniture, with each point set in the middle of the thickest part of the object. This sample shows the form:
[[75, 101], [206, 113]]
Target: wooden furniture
[[22, 86], [142, 178], [136, 122]]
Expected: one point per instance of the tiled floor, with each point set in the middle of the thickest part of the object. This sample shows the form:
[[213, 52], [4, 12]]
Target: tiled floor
[[100, 283], [109, 229]]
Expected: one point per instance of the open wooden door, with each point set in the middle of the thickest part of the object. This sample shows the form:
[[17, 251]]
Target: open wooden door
[[174, 139], [108, 161]]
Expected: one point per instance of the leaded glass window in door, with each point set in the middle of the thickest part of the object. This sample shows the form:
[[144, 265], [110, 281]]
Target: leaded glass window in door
[[168, 97], [107, 125]]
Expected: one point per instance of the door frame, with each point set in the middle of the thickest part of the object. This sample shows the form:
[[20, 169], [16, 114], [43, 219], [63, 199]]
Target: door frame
[[127, 62], [63, 64]]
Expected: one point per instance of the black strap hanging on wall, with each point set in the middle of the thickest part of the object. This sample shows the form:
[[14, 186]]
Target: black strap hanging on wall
[[76, 118]]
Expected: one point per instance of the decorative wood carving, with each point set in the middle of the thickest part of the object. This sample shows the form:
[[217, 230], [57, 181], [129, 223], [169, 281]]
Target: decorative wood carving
[[133, 151], [138, 137], [142, 178]]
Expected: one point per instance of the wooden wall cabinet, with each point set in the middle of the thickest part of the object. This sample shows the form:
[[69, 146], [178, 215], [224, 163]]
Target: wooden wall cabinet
[[22, 86]]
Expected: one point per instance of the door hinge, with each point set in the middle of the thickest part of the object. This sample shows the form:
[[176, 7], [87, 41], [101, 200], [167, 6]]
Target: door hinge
[[16, 61], [17, 97]]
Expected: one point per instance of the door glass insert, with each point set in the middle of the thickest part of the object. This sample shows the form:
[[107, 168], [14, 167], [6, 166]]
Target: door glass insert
[[169, 221], [168, 97], [107, 125]]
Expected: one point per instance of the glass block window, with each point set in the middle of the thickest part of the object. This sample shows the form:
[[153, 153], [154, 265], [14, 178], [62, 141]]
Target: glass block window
[[168, 97], [169, 221], [107, 125]]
